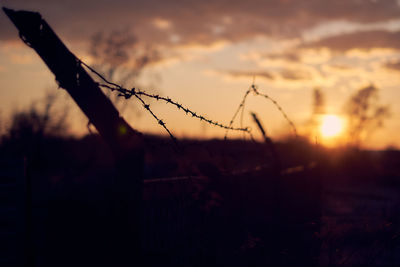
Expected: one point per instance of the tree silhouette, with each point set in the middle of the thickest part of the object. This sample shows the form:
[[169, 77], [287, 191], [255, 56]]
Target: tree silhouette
[[42, 119], [121, 58], [1, 124], [318, 102], [365, 114], [318, 109]]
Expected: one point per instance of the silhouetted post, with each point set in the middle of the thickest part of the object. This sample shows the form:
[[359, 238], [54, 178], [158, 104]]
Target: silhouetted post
[[125, 142], [273, 154]]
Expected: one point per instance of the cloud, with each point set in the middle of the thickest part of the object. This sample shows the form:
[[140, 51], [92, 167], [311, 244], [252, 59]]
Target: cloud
[[194, 21], [162, 24], [249, 74], [286, 56], [291, 74], [363, 40], [282, 74], [340, 67], [394, 65]]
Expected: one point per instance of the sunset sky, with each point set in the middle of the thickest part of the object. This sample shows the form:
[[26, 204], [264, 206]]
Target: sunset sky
[[210, 51]]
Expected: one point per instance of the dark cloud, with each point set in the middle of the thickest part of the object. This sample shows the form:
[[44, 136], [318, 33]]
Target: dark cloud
[[289, 74], [196, 21], [364, 40], [286, 74], [250, 74], [340, 67], [287, 56], [395, 65]]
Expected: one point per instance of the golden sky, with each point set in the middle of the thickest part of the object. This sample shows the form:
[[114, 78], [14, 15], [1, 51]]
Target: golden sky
[[210, 51]]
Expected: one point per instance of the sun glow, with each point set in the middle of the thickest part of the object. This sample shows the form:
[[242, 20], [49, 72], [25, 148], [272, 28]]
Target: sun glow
[[331, 126]]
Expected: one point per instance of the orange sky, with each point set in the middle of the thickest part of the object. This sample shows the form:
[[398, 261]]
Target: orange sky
[[210, 51]]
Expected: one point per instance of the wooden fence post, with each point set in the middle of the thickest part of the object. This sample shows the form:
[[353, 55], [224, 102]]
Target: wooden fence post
[[125, 142]]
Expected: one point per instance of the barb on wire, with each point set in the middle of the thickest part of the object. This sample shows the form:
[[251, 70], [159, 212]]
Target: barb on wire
[[147, 107], [128, 93]]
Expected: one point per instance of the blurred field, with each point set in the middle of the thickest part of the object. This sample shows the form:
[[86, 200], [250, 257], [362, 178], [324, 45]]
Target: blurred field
[[216, 202]]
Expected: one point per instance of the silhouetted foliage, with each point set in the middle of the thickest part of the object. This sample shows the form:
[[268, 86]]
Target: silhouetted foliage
[[365, 114], [41, 119], [121, 58], [1, 124], [318, 109], [318, 101]]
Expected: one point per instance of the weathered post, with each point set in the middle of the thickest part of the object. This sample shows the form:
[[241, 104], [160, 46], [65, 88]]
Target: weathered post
[[125, 142]]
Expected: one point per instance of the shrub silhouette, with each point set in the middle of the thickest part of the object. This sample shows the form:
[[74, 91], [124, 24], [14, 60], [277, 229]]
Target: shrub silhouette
[[41, 120], [365, 114], [121, 57]]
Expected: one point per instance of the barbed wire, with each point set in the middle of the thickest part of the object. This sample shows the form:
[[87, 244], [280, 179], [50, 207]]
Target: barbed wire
[[128, 93], [162, 123], [241, 107], [192, 113]]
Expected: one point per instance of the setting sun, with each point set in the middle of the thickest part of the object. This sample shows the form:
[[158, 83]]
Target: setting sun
[[331, 126]]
